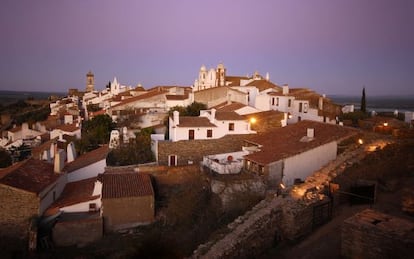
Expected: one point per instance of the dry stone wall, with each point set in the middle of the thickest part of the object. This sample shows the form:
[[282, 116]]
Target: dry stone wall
[[371, 234], [79, 232], [286, 217], [17, 209]]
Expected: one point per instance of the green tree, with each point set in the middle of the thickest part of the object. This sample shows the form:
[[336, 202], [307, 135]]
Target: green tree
[[363, 101], [95, 132], [191, 110], [136, 151]]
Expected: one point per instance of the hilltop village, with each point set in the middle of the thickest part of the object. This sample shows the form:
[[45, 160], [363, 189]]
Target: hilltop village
[[113, 161]]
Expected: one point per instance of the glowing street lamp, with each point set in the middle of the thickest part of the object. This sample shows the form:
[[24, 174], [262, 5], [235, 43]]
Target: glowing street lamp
[[385, 124], [252, 120], [360, 141]]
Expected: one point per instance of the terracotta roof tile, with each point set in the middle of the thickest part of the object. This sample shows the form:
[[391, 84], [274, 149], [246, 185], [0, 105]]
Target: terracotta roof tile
[[31, 175], [229, 116], [15, 129], [235, 80], [68, 127], [149, 94], [263, 85], [174, 97], [189, 121], [76, 192], [284, 142], [125, 185], [87, 159], [225, 107]]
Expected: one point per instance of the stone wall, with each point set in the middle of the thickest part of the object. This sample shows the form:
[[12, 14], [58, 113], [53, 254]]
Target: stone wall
[[248, 235], [289, 216], [78, 232], [127, 212], [371, 234], [17, 209], [228, 191], [194, 150]]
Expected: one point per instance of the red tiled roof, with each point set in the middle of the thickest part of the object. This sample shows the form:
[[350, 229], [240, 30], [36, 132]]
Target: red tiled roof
[[100, 112], [30, 175], [87, 159], [75, 192], [225, 107], [284, 142], [190, 121], [167, 87], [263, 85], [149, 94], [68, 127], [15, 129], [229, 116], [235, 80], [174, 97], [126, 185]]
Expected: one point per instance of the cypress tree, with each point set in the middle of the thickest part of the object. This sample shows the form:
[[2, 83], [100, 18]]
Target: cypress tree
[[363, 102]]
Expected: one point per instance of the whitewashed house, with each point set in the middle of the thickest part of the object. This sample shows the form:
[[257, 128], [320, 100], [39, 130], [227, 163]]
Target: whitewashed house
[[299, 104], [66, 129], [292, 153], [87, 165], [77, 197], [22, 132], [209, 125]]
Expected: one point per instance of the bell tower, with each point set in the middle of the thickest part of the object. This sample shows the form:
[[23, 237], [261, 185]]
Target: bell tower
[[90, 82]]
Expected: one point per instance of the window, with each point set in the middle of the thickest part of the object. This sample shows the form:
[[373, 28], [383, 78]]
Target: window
[[209, 133], [299, 118], [231, 126], [190, 134], [273, 101], [300, 107], [277, 101], [305, 107], [289, 102], [92, 207]]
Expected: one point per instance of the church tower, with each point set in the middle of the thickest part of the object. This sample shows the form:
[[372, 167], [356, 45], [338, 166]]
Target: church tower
[[221, 75], [90, 82]]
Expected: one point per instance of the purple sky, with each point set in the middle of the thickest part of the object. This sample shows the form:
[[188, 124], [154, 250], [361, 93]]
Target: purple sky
[[331, 46]]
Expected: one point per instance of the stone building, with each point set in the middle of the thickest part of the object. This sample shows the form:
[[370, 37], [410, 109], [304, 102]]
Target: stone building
[[27, 189], [372, 234], [90, 82], [127, 200], [289, 154]]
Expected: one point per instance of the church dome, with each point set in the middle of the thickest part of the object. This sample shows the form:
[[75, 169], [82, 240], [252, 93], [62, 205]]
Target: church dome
[[203, 68]]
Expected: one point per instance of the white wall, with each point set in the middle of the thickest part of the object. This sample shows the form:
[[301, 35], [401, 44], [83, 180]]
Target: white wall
[[86, 172], [82, 206], [46, 196], [304, 164]]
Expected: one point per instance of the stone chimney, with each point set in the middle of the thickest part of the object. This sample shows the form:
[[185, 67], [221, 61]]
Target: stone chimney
[[213, 115], [310, 133], [285, 89], [59, 162], [176, 118]]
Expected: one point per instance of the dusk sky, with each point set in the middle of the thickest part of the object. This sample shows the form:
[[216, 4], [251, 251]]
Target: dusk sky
[[331, 46]]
